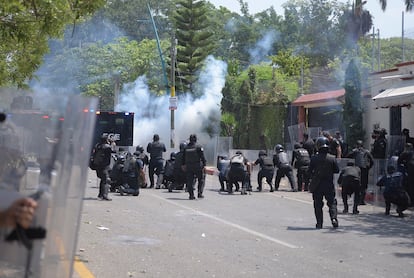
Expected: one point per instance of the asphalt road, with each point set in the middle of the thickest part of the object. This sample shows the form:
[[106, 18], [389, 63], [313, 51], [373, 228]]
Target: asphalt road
[[162, 234]]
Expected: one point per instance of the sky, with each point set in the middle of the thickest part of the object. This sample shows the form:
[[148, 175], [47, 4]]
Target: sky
[[389, 22]]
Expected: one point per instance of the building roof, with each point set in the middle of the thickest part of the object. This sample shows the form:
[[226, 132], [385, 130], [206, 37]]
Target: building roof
[[394, 97], [321, 99]]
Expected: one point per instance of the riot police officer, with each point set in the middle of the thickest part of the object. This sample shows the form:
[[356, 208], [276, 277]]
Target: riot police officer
[[350, 181], [239, 172], [156, 164], [301, 160], [365, 161], [394, 192], [322, 168], [281, 161], [223, 166], [193, 164], [103, 151], [179, 175], [267, 170]]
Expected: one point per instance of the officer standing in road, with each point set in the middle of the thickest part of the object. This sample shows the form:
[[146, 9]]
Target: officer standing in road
[[350, 181], [281, 161], [156, 165], [267, 170], [301, 161], [322, 168], [102, 163], [193, 165], [365, 161]]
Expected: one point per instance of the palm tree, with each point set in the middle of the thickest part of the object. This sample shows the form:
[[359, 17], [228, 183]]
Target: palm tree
[[409, 5]]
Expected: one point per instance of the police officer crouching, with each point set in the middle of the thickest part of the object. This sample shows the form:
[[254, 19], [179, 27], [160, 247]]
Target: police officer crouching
[[239, 172], [394, 192], [193, 164], [322, 168], [350, 180]]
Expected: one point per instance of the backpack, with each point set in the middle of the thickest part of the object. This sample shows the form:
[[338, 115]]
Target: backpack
[[97, 158], [239, 159], [302, 158]]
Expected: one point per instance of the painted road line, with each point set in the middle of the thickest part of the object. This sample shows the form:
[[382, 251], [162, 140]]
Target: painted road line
[[81, 269], [228, 223]]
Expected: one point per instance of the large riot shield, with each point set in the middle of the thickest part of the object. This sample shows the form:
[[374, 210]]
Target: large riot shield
[[45, 156]]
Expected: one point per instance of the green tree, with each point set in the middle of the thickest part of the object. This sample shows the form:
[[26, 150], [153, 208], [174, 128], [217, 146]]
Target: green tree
[[25, 28], [96, 68], [352, 112], [409, 5], [195, 41], [314, 28]]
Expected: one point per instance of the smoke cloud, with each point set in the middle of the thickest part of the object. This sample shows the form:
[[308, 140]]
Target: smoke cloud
[[152, 114], [263, 47]]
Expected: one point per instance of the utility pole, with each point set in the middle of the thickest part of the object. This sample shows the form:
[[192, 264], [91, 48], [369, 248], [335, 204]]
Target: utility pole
[[173, 98], [379, 51], [173, 105], [402, 37], [373, 49], [117, 77]]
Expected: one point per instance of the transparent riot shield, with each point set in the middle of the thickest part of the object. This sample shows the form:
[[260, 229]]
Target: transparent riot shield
[[46, 157], [296, 132]]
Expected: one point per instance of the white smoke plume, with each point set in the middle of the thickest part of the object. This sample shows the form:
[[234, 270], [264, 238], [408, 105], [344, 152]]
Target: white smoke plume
[[152, 114], [263, 47]]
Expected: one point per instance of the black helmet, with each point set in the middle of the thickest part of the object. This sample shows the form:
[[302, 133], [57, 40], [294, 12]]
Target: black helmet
[[104, 138], [278, 148], [193, 138], [322, 143], [121, 158], [173, 155], [262, 152], [140, 149], [297, 146], [182, 146]]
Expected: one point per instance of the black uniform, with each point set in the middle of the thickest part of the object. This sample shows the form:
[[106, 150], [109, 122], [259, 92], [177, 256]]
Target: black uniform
[[194, 163], [309, 145], [267, 170], [322, 169], [102, 168], [394, 192], [223, 166], [281, 161], [132, 170], [350, 180], [238, 172], [156, 164], [365, 161], [179, 174], [301, 161]]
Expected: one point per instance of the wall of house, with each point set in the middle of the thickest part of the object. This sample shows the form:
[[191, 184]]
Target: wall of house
[[380, 117]]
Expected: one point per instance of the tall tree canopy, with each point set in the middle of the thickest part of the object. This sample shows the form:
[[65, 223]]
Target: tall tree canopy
[[25, 28], [195, 41]]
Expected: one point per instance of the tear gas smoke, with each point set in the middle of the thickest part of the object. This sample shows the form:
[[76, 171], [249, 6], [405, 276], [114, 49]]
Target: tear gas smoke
[[263, 47], [192, 115]]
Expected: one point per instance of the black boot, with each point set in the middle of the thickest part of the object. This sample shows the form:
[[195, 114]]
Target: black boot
[[362, 197]]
